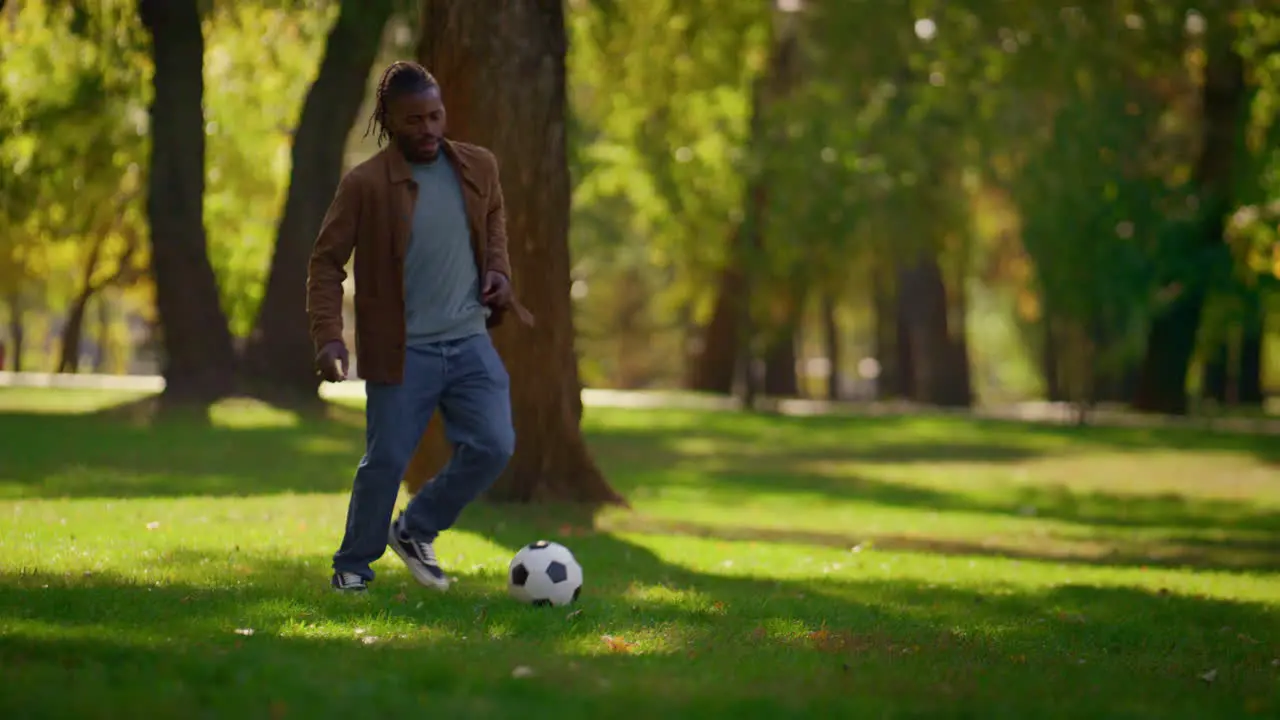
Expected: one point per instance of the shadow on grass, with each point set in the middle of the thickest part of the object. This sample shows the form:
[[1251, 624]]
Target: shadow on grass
[[110, 454], [1106, 551], [789, 646], [916, 438], [1096, 508], [116, 453]]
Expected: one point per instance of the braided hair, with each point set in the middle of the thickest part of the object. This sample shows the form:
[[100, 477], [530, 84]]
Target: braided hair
[[400, 78]]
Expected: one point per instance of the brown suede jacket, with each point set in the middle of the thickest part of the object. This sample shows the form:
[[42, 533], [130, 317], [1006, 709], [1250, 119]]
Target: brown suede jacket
[[371, 214]]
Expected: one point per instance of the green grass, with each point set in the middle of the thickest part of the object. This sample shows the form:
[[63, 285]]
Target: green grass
[[806, 567]]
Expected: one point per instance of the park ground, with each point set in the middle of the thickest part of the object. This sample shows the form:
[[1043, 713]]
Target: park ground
[[769, 566]]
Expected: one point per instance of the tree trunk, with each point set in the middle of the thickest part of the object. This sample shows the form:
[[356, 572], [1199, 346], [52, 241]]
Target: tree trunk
[[1249, 389], [1117, 385], [831, 339], [712, 369], [16, 334], [891, 347], [1162, 386], [780, 379], [501, 67], [199, 362], [279, 359], [1050, 358], [72, 329], [1235, 378], [632, 330], [939, 377], [104, 334]]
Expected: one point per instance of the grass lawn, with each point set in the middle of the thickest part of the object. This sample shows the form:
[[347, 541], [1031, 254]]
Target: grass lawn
[[803, 567]]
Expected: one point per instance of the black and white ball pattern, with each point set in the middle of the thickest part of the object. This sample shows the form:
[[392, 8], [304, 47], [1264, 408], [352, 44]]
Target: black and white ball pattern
[[544, 573]]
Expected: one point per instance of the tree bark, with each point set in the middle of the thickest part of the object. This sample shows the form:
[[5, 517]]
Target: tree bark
[[1162, 385], [72, 329], [831, 339], [712, 368], [279, 359], [199, 362], [17, 336], [634, 338], [780, 380], [939, 374], [1235, 378], [104, 334], [780, 377], [892, 351], [501, 68]]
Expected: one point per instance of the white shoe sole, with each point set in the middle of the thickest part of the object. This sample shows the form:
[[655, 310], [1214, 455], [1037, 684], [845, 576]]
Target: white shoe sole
[[421, 574]]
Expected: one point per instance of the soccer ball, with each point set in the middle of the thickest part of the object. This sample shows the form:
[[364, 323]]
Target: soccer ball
[[544, 573]]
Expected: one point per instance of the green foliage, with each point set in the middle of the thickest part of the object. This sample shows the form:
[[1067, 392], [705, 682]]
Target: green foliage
[[259, 62], [661, 100], [72, 134]]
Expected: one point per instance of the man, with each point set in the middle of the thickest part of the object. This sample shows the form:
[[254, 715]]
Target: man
[[425, 220]]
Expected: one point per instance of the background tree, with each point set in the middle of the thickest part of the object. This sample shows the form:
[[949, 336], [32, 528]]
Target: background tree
[[279, 359], [501, 67], [199, 363]]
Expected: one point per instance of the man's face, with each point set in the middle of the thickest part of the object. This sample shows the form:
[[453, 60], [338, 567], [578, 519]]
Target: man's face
[[417, 123]]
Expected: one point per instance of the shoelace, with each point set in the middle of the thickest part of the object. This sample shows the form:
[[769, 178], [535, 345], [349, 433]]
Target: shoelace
[[426, 552]]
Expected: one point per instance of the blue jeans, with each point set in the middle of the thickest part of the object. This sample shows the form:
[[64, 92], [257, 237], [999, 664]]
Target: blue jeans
[[466, 379]]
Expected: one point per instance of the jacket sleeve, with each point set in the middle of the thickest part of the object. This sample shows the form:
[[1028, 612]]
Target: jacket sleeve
[[497, 258], [327, 268]]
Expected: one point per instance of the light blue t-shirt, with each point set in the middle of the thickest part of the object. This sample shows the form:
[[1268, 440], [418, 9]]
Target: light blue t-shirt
[[441, 281]]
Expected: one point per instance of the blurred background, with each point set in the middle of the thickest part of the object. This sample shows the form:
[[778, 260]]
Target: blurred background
[[960, 203]]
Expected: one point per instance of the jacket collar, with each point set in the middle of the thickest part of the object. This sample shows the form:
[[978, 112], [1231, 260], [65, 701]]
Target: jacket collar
[[398, 169]]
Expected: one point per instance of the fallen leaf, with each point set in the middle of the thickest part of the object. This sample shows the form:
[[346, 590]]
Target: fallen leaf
[[1248, 639], [1209, 676], [718, 606], [759, 633], [522, 671], [278, 710], [617, 644], [826, 641], [401, 597]]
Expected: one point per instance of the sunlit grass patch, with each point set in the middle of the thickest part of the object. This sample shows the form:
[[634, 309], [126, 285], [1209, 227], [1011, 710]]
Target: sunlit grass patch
[[769, 567]]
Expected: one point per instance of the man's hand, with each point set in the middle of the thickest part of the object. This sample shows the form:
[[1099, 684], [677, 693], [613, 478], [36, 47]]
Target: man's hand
[[333, 361], [497, 290]]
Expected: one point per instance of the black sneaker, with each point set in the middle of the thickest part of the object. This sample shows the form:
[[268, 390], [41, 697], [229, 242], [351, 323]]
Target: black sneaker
[[348, 582], [418, 555]]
